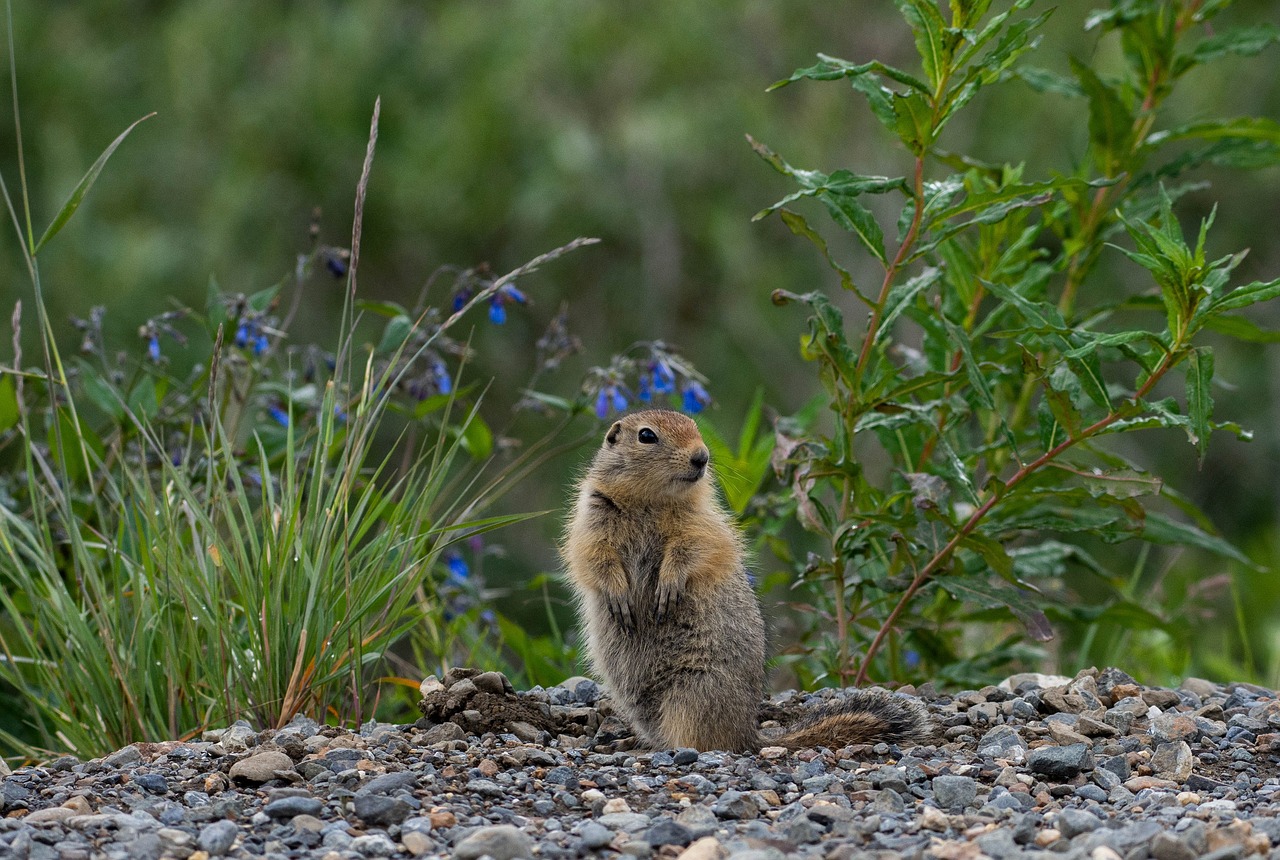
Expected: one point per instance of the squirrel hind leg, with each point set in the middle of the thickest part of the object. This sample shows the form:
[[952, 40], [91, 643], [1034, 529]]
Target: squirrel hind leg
[[861, 717], [698, 716]]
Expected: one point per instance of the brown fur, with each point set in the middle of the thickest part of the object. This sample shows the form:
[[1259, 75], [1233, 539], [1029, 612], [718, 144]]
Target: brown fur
[[672, 623]]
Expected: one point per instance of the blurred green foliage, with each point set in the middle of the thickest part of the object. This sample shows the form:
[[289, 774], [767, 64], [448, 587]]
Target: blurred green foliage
[[509, 128]]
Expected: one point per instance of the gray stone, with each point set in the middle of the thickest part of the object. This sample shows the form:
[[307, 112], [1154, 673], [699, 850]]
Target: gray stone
[[152, 782], [1060, 763], [594, 835], [389, 782], [1073, 822], [288, 807], [124, 758], [217, 838], [444, 732], [954, 792], [500, 841], [667, 831], [631, 822], [373, 845], [702, 821], [1172, 761], [238, 738], [261, 767], [1167, 846], [380, 810]]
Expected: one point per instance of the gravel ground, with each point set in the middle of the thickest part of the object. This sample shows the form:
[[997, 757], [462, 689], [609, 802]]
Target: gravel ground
[[1097, 766]]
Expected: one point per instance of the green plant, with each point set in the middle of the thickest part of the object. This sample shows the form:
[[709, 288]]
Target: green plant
[[968, 466], [249, 541]]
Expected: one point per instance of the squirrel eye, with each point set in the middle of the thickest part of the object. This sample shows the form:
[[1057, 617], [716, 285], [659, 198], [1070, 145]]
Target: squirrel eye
[[647, 436]]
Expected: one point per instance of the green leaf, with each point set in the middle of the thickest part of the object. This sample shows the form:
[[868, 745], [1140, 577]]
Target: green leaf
[[1049, 558], [997, 594], [86, 182], [1199, 400], [1110, 120], [1241, 41], [800, 227], [9, 412], [395, 334], [1162, 530], [477, 438], [833, 68], [901, 295], [930, 34], [1045, 81], [382, 309], [261, 300], [1242, 328], [914, 125]]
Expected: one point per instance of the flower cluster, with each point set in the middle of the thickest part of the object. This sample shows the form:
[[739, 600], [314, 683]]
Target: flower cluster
[[658, 373], [150, 332], [472, 282]]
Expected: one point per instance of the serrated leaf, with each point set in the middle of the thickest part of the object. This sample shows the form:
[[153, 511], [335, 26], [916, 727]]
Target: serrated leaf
[[1050, 559], [86, 182], [901, 295], [1199, 399]]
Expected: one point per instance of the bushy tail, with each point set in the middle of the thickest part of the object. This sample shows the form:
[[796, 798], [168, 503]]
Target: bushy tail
[[862, 717]]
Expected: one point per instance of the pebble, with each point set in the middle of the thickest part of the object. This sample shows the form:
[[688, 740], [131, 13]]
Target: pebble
[[1096, 766]]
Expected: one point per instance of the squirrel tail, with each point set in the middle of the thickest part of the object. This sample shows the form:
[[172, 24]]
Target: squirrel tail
[[863, 717]]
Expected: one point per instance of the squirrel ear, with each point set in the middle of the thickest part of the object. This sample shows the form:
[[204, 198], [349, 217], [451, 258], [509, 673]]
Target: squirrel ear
[[612, 436]]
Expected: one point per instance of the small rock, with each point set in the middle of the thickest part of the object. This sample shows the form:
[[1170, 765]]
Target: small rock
[[238, 738], [52, 815], [373, 845], [1060, 763], [706, 848], [954, 792], [288, 807], [416, 842], [1170, 728], [594, 836], [217, 838], [1047, 837], [441, 819], [261, 767], [380, 810], [152, 782], [667, 831], [124, 758], [616, 804], [934, 819], [499, 841], [1073, 822], [1168, 846], [1172, 761], [444, 732]]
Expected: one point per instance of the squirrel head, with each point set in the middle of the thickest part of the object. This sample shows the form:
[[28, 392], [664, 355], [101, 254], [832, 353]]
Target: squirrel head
[[653, 455]]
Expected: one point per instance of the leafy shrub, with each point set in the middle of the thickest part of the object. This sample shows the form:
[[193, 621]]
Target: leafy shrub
[[967, 466]]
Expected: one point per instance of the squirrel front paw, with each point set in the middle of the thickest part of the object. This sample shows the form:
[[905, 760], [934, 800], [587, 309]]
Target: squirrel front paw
[[669, 590], [619, 605]]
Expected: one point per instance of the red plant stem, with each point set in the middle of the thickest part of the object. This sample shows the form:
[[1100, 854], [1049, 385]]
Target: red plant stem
[[1018, 477]]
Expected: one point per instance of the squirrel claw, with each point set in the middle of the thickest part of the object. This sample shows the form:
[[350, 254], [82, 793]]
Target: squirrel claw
[[668, 597], [620, 611]]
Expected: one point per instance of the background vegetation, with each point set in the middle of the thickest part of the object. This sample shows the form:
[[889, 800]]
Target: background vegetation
[[509, 129]]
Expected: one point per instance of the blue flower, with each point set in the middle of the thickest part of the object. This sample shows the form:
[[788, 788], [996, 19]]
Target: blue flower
[[334, 262], [444, 382], [460, 299], [458, 569], [912, 659], [260, 344], [664, 378], [278, 414], [619, 401], [643, 394], [602, 404], [695, 396], [153, 348], [242, 334], [506, 294]]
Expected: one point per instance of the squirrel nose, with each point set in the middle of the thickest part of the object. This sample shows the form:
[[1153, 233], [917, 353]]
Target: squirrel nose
[[699, 458]]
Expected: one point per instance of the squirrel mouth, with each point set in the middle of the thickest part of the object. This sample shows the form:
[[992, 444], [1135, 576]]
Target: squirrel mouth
[[693, 476]]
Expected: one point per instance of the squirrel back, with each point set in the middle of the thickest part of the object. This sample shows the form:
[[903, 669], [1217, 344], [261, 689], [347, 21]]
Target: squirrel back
[[672, 623]]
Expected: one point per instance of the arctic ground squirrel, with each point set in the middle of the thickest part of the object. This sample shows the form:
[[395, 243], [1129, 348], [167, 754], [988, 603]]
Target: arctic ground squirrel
[[673, 625]]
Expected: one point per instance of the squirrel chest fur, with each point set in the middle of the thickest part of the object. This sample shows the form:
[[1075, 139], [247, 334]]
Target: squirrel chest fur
[[672, 623]]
